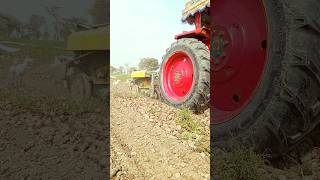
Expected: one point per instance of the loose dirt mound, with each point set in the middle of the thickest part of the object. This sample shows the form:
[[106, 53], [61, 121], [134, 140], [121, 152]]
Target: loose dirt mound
[[303, 162], [44, 134], [147, 142]]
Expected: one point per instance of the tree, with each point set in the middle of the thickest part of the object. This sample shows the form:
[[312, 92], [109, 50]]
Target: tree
[[53, 11], [35, 24], [69, 25], [131, 69], [121, 70], [46, 35], [112, 69], [9, 24], [13, 23], [100, 11], [149, 64], [126, 68]]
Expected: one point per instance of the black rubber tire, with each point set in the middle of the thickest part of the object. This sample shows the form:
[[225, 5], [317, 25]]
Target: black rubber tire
[[199, 97], [286, 106], [79, 86]]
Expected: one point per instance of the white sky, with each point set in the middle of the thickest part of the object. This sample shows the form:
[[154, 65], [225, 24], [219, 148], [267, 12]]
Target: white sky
[[143, 28]]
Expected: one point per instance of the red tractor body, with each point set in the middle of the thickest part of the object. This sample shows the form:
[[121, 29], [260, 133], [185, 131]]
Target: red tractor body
[[180, 72], [201, 32]]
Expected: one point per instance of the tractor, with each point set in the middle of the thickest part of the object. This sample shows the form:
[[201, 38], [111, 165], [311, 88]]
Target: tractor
[[87, 71], [263, 68]]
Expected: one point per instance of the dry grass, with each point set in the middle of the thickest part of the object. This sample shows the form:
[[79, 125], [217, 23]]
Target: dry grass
[[240, 163], [192, 130]]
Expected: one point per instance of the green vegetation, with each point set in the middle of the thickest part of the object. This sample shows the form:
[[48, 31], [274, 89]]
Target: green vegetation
[[149, 64], [240, 164], [192, 130], [185, 120]]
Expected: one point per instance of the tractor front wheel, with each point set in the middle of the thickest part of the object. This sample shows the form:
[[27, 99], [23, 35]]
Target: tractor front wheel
[[185, 75]]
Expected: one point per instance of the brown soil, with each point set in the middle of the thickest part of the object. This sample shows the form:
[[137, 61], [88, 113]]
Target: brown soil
[[146, 142], [303, 162], [44, 140]]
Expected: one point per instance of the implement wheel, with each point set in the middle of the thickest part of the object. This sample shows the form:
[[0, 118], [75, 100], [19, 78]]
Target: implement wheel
[[79, 86], [266, 85], [185, 75]]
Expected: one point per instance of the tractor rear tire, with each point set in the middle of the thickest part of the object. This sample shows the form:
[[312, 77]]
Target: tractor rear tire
[[198, 97], [286, 105]]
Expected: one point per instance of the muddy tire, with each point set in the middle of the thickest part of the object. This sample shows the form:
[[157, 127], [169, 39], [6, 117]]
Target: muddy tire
[[286, 105], [197, 99], [79, 86]]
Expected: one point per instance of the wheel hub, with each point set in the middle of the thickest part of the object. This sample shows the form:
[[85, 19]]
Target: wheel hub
[[178, 76], [241, 27], [178, 81]]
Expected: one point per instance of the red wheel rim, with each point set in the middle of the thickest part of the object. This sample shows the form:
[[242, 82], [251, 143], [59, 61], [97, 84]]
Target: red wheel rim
[[177, 76], [237, 73]]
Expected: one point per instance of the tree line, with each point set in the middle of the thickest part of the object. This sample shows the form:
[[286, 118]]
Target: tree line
[[149, 64], [38, 27]]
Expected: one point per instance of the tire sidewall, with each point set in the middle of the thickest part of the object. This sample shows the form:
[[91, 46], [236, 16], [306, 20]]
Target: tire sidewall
[[182, 47], [249, 121], [86, 86]]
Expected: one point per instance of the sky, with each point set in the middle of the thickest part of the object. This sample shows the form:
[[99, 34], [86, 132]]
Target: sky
[[143, 28], [23, 9]]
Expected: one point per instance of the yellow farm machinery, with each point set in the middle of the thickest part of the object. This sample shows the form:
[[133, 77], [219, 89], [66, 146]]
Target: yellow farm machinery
[[146, 82], [87, 72]]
